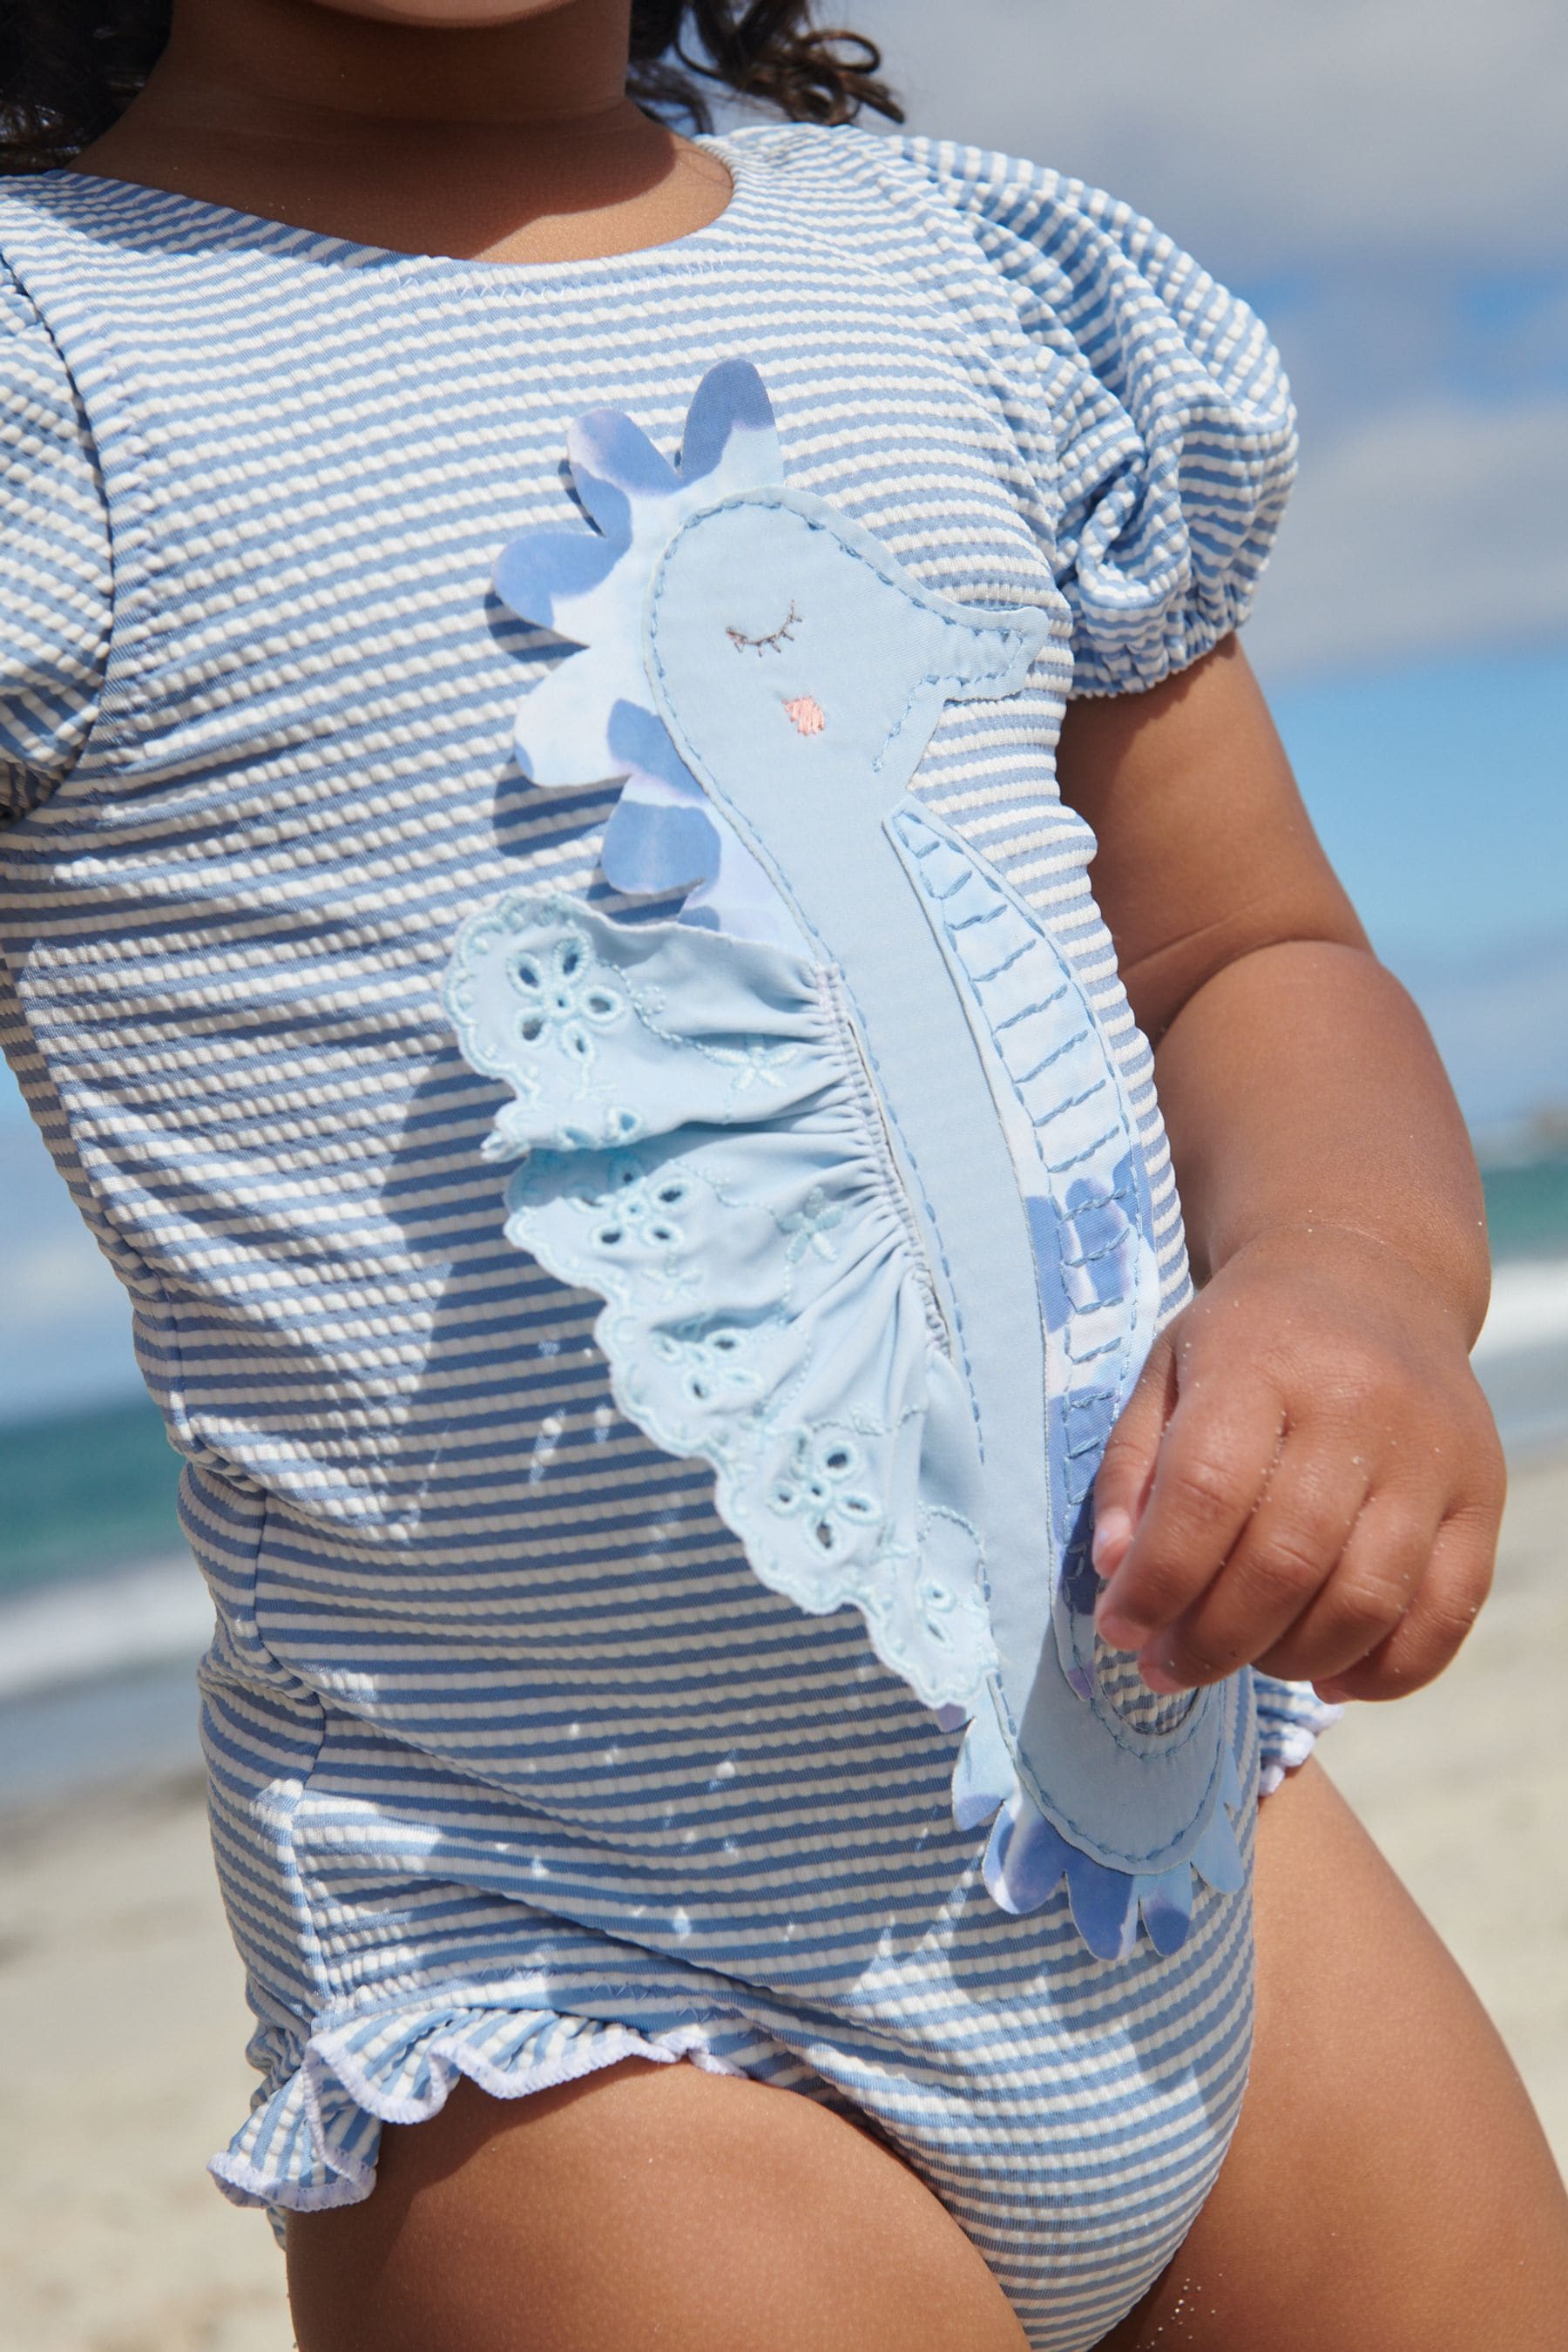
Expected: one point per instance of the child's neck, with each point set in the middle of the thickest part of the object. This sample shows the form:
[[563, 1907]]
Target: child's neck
[[513, 143]]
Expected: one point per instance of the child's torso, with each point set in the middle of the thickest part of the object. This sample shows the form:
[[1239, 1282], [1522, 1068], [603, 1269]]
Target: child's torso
[[226, 930]]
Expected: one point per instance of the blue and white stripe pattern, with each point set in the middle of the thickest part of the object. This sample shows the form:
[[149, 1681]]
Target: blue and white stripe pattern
[[515, 1765]]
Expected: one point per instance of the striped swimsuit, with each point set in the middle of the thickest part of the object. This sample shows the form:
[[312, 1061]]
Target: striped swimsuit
[[539, 927]]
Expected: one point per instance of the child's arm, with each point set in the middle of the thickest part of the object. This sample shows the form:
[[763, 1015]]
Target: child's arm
[[1309, 1469]]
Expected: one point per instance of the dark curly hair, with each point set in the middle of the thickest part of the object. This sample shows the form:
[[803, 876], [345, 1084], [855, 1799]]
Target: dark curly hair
[[69, 68]]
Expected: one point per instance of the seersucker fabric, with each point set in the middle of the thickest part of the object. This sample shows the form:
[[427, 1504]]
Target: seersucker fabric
[[517, 1765]]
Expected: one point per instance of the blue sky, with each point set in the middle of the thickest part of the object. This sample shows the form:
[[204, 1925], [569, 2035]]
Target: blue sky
[[1383, 179], [1438, 788]]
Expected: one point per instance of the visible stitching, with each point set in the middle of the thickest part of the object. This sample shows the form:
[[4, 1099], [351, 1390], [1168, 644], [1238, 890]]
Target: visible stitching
[[123, 687], [863, 1037], [825, 954], [1142, 1746], [835, 997], [913, 818], [780, 496], [905, 825]]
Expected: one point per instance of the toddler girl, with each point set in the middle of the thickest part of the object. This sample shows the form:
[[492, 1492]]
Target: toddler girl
[[536, 643]]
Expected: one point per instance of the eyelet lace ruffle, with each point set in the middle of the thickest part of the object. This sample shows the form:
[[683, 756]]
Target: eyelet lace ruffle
[[720, 1179]]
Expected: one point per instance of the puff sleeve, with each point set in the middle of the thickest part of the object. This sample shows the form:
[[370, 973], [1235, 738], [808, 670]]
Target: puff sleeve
[[1171, 427], [56, 577]]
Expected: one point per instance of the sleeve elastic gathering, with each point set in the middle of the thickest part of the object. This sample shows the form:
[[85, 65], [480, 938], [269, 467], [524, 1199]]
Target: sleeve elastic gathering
[[1173, 432], [55, 571]]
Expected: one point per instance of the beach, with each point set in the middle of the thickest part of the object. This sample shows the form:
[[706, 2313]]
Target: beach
[[121, 2011]]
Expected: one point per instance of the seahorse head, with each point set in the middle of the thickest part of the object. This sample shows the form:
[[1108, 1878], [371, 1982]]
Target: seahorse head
[[734, 631]]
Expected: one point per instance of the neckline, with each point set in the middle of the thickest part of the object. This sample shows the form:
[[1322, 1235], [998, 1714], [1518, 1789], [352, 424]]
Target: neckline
[[322, 245]]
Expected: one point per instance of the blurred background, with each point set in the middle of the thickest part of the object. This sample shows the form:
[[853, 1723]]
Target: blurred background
[[1385, 179]]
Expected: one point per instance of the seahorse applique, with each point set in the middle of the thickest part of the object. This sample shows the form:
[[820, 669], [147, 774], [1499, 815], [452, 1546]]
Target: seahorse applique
[[903, 1274]]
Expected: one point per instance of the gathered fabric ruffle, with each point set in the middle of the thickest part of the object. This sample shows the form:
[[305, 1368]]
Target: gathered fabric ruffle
[[312, 2140], [700, 1146]]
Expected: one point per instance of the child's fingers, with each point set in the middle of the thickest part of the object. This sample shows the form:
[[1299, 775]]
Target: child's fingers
[[1121, 1486], [1284, 1556], [1373, 1583], [1215, 1457], [1446, 1605]]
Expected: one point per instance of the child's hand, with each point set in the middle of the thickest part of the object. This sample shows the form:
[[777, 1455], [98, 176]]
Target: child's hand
[[1305, 1478]]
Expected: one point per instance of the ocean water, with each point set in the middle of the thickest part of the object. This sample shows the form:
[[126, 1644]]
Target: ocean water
[[102, 1613], [85, 1489]]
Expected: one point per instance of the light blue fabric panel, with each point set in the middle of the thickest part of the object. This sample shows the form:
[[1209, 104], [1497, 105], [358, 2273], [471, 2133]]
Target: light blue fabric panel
[[759, 605]]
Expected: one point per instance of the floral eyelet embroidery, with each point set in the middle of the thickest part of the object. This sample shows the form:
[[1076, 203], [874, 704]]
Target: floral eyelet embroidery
[[758, 1062], [857, 1474], [711, 1364], [935, 1602], [565, 995], [641, 1209], [617, 1124], [815, 1488]]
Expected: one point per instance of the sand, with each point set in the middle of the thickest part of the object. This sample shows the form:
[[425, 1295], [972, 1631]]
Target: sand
[[123, 2024]]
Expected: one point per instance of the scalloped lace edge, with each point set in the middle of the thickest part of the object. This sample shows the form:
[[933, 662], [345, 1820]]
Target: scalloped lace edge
[[727, 1503]]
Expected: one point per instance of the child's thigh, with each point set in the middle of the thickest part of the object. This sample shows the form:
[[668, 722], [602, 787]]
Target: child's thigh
[[649, 2205], [1388, 2183]]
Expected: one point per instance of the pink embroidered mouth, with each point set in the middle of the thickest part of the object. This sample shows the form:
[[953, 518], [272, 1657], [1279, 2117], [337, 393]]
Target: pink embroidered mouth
[[806, 715]]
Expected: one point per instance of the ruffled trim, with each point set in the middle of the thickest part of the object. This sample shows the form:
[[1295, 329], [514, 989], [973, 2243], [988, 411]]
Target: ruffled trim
[[701, 1147], [1291, 1719], [312, 2141]]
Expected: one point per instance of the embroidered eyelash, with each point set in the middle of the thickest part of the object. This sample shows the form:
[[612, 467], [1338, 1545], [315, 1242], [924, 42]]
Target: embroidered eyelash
[[783, 636]]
